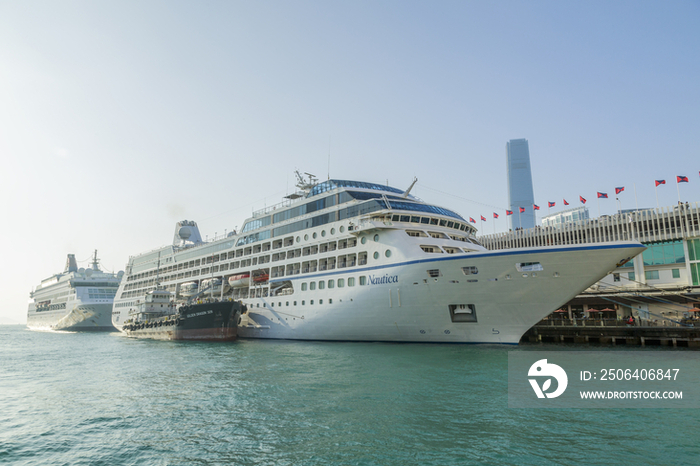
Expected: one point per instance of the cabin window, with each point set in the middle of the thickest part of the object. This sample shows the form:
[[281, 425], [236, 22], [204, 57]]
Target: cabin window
[[433, 249], [470, 270], [312, 286], [320, 301], [351, 281], [363, 280], [331, 283], [303, 287], [376, 238], [321, 285], [387, 253], [341, 283]]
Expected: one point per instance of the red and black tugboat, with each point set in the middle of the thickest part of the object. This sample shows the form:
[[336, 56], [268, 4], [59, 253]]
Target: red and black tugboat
[[159, 317]]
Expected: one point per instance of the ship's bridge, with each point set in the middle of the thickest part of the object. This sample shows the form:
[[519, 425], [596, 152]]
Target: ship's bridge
[[335, 184]]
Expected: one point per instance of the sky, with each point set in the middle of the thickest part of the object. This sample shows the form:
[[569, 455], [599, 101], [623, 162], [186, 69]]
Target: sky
[[117, 119]]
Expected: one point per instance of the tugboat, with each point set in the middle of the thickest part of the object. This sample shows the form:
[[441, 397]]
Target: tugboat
[[160, 318]]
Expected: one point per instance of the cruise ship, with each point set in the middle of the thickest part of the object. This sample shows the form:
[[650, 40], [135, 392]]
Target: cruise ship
[[344, 260], [77, 299]]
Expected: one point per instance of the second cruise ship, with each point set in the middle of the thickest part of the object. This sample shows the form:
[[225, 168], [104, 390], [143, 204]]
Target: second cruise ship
[[345, 260]]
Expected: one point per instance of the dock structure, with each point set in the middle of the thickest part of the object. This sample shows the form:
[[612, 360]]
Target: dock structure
[[612, 332]]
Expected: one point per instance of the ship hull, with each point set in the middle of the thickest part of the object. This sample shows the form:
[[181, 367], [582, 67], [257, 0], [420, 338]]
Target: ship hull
[[403, 303], [206, 321], [78, 316]]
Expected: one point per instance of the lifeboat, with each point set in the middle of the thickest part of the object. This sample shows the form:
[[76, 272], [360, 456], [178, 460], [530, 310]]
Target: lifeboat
[[261, 277], [189, 289], [239, 281], [213, 286]]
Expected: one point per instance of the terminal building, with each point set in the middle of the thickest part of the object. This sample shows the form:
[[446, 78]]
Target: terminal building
[[572, 215]]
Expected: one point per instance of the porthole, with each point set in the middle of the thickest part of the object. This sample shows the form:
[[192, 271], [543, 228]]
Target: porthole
[[376, 255], [363, 240], [376, 238], [323, 232], [342, 229], [306, 237], [314, 235], [332, 231], [298, 239], [388, 253]]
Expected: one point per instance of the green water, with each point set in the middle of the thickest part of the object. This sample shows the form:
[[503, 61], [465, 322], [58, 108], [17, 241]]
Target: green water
[[103, 399]]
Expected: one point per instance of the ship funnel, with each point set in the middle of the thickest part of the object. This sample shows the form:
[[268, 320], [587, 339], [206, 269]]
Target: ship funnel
[[71, 264], [186, 234]]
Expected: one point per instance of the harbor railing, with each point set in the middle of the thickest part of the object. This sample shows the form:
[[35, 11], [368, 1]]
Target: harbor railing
[[646, 226]]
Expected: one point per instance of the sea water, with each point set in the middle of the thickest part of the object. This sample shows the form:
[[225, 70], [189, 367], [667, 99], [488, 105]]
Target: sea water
[[105, 399]]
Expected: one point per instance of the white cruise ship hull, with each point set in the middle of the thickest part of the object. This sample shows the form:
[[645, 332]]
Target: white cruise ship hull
[[77, 316], [405, 304]]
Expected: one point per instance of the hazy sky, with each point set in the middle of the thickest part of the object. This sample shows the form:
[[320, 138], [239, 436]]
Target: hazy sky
[[118, 119]]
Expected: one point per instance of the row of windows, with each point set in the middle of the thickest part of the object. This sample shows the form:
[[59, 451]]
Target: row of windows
[[648, 275]]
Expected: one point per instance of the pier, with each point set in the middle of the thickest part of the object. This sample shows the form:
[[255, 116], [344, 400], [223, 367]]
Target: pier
[[612, 332]]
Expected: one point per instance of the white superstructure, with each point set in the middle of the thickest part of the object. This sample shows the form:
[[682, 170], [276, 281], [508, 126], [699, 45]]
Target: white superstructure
[[354, 261], [77, 299]]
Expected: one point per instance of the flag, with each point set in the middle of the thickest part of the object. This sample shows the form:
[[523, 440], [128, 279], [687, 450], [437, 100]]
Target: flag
[[536, 207], [495, 215], [602, 195], [658, 182], [522, 209], [551, 204], [472, 220], [565, 203], [509, 212], [483, 219], [681, 179], [583, 200], [619, 190]]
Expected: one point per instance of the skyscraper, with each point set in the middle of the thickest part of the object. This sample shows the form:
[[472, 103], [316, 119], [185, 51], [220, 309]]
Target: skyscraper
[[520, 192]]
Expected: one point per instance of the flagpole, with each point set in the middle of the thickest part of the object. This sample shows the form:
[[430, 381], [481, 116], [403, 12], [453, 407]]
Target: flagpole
[[598, 205], [635, 197], [679, 190], [656, 188]]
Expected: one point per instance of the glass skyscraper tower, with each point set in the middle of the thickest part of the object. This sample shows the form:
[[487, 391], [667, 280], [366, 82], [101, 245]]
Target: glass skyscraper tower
[[520, 192]]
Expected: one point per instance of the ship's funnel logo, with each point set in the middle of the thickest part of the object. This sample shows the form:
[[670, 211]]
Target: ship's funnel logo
[[542, 369]]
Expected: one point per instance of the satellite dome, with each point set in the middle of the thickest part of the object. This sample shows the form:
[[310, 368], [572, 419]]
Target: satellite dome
[[88, 273], [120, 274], [184, 233], [81, 270]]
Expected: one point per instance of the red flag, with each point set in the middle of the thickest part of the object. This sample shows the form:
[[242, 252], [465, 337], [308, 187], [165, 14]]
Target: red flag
[[602, 195], [472, 220], [483, 219], [681, 179], [551, 204], [583, 200], [509, 212], [565, 203], [522, 209], [495, 215], [658, 182], [619, 190], [536, 207]]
